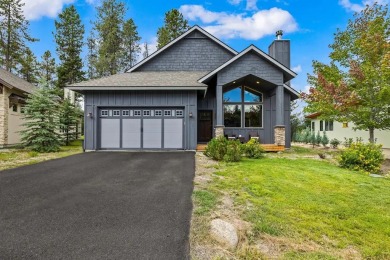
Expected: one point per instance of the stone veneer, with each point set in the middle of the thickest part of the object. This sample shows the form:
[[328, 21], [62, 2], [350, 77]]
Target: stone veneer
[[280, 135], [219, 131], [4, 106]]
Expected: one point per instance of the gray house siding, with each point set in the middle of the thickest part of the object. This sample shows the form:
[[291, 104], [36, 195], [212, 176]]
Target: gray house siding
[[193, 53], [93, 100], [287, 121]]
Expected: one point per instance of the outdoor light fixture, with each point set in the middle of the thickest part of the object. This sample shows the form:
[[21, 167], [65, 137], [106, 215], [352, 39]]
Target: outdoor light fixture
[[190, 114], [258, 82], [89, 115]]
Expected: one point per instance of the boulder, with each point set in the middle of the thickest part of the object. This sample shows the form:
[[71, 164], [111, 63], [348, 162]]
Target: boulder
[[224, 232]]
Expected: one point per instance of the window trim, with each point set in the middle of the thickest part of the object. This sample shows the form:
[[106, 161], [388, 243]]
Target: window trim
[[147, 112], [114, 112], [242, 105], [123, 112], [137, 113], [165, 112], [104, 110]]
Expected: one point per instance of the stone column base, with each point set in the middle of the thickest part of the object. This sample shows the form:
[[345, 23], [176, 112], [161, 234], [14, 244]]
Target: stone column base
[[280, 135], [219, 131]]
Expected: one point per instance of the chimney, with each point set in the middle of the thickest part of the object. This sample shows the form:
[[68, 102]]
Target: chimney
[[280, 49]]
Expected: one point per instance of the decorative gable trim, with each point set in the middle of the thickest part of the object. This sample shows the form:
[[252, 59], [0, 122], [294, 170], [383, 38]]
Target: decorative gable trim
[[196, 27], [256, 50]]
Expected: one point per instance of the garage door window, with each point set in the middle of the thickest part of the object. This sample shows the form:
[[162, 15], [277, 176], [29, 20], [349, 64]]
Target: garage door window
[[179, 113], [116, 113], [167, 113], [125, 112], [137, 112], [146, 112], [158, 113], [104, 113]]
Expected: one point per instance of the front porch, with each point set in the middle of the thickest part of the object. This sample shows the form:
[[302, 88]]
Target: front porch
[[266, 147]]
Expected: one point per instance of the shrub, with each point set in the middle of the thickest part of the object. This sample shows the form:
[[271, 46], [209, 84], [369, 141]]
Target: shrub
[[313, 139], [362, 157], [318, 138], [347, 142], [233, 151], [216, 148], [334, 143], [252, 149], [325, 140], [307, 136]]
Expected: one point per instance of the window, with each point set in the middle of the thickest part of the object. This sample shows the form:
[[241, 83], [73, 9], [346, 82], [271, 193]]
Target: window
[[137, 112], [15, 108], [243, 107], [104, 113], [179, 113], [345, 125], [321, 125], [116, 112], [22, 109], [328, 125], [313, 126], [146, 112], [167, 112], [125, 112], [158, 113]]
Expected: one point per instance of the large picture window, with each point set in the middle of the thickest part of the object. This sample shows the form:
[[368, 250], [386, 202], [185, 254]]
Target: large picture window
[[243, 107]]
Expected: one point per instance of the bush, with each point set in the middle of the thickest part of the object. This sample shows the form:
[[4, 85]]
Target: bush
[[313, 140], [362, 157], [318, 138], [307, 136], [252, 149], [233, 151], [334, 143], [325, 140], [216, 148], [347, 142]]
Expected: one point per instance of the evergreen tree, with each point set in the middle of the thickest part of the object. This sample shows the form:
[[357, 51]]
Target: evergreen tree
[[28, 68], [69, 39], [69, 118], [41, 121], [130, 44], [313, 139], [47, 69], [146, 50], [92, 55], [318, 138], [13, 33], [325, 139], [174, 26], [108, 26]]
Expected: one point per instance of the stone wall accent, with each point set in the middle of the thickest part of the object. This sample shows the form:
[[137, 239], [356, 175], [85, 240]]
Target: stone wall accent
[[4, 107], [280, 135], [219, 131]]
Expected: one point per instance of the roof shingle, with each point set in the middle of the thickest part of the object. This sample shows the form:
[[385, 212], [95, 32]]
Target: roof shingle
[[11, 80]]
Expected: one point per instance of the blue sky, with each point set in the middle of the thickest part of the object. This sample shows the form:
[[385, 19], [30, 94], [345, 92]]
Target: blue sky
[[309, 25]]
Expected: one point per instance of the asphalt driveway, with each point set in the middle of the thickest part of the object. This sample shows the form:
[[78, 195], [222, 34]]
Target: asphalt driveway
[[98, 206]]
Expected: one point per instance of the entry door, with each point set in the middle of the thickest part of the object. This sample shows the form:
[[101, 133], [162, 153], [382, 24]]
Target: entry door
[[205, 125]]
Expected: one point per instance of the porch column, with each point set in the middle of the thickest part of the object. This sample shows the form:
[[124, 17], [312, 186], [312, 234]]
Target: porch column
[[279, 128], [219, 125]]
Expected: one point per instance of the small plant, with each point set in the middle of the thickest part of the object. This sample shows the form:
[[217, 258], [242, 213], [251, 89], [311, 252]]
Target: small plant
[[252, 149], [347, 142], [313, 139], [216, 148], [335, 143], [307, 136], [324, 140], [318, 138], [33, 154], [233, 151], [322, 155], [362, 157]]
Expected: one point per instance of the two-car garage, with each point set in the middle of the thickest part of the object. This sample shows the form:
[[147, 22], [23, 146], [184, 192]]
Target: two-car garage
[[141, 128]]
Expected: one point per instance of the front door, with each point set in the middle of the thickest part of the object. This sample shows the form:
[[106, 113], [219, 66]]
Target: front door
[[205, 125]]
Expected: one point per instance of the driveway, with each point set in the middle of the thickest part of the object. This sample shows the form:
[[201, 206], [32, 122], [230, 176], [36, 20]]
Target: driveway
[[99, 205]]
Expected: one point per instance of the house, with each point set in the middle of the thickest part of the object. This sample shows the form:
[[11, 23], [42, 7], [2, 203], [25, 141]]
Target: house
[[191, 90], [341, 130], [13, 93]]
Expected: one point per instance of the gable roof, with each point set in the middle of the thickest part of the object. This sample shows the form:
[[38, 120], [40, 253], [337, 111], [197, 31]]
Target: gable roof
[[12, 81], [145, 80], [288, 72], [192, 29]]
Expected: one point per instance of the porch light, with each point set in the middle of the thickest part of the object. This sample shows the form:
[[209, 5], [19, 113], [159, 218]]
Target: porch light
[[190, 114], [90, 115], [258, 82]]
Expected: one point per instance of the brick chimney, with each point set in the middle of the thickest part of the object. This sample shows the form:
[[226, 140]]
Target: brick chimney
[[280, 49]]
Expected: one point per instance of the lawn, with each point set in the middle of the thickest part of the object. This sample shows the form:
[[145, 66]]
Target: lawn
[[11, 158], [304, 208]]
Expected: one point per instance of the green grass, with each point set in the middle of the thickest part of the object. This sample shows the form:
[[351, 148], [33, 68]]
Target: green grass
[[311, 200], [11, 158], [205, 201]]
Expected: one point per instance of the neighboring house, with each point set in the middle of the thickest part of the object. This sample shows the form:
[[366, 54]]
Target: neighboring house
[[189, 91], [341, 130], [13, 93]]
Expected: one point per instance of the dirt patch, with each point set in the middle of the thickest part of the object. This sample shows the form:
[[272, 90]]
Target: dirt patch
[[386, 167]]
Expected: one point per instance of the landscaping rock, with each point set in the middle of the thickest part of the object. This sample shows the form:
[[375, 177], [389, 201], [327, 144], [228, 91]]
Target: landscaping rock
[[376, 175], [224, 232]]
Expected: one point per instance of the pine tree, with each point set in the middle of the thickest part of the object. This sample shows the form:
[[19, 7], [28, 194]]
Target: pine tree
[[318, 138], [69, 39], [28, 68], [174, 26], [108, 26], [92, 55], [325, 139], [41, 121], [13, 33], [47, 68], [146, 50], [69, 117], [130, 44]]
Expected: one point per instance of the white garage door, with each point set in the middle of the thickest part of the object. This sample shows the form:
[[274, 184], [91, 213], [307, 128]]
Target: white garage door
[[141, 128]]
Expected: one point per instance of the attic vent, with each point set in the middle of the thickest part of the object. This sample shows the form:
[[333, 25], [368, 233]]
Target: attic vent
[[279, 34]]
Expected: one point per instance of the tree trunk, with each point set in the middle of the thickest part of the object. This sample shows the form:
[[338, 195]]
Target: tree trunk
[[371, 131]]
